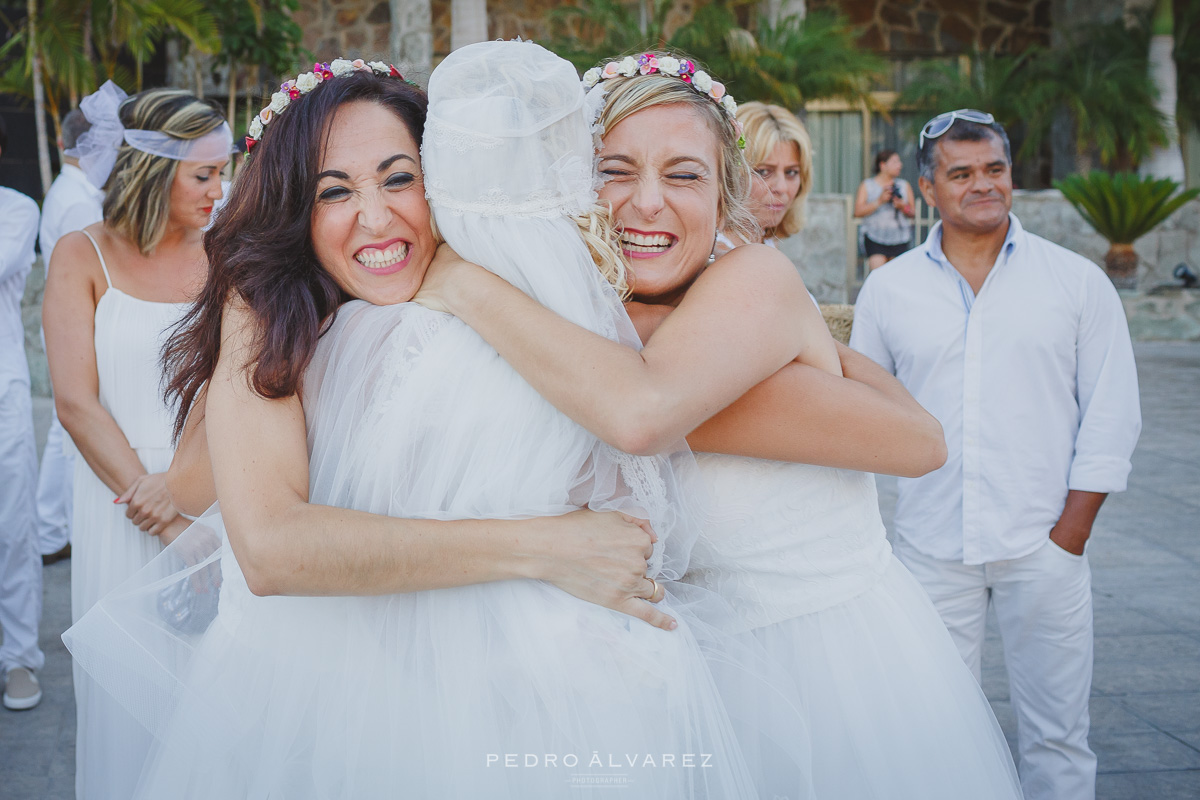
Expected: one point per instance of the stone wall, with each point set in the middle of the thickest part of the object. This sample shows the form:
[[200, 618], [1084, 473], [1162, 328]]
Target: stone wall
[[931, 27]]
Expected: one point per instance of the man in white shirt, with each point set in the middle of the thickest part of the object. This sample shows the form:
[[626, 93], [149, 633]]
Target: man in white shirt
[[72, 204], [20, 562], [1021, 349]]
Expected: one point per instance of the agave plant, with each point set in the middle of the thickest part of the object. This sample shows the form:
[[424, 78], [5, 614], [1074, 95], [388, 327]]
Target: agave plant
[[1122, 208]]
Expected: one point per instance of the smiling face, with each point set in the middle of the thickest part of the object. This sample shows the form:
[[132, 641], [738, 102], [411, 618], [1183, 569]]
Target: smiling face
[[370, 224], [197, 186], [972, 185], [776, 182], [664, 192]]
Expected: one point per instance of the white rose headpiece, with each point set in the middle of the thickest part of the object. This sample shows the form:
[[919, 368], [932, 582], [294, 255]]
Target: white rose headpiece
[[304, 83], [682, 68]]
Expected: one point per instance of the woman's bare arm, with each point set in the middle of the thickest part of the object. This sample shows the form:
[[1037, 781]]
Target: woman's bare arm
[[742, 320], [189, 478], [286, 545], [73, 287], [865, 421]]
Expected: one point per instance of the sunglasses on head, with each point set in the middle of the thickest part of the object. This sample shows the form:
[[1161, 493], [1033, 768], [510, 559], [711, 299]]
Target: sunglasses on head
[[942, 122]]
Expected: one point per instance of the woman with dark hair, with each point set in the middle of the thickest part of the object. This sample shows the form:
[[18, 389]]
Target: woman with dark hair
[[113, 291], [464, 666], [885, 203]]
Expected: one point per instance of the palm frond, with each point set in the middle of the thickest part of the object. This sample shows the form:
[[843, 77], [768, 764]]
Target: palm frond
[[1123, 207]]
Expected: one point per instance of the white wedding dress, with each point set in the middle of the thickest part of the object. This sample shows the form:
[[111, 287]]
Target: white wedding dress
[[800, 553], [511, 689]]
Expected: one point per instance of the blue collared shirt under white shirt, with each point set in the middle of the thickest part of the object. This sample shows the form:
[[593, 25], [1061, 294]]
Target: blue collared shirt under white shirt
[[1033, 381]]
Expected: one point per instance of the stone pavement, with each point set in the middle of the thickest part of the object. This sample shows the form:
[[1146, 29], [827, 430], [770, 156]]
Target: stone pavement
[[1145, 559]]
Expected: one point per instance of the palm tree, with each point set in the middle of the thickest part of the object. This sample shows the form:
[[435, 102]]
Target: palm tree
[[1123, 208], [39, 97], [411, 36], [1101, 79], [1165, 161], [468, 22], [787, 61], [998, 84]]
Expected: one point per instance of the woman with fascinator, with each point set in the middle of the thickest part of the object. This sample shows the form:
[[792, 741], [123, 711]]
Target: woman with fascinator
[[411, 600], [114, 290], [738, 360]]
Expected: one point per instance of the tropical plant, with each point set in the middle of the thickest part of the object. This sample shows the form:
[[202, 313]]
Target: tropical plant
[[1187, 62], [787, 61], [597, 29], [998, 84], [1123, 208], [1101, 78], [256, 35]]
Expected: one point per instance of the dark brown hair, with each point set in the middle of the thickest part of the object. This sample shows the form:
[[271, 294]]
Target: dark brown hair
[[260, 248], [881, 158]]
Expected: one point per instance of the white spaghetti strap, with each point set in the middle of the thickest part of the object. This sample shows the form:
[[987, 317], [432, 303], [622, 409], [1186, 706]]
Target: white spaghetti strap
[[99, 255]]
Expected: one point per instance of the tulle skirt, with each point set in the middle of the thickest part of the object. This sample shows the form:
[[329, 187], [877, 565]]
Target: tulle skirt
[[512, 689], [894, 712], [110, 746]]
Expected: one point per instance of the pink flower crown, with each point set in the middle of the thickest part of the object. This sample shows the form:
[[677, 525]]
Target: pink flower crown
[[305, 83], [682, 68]]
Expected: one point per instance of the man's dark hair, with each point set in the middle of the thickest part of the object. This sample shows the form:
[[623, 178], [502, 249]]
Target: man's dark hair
[[3, 135], [961, 131], [74, 125]]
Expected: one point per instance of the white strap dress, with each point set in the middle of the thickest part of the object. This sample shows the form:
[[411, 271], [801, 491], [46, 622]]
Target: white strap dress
[[110, 745]]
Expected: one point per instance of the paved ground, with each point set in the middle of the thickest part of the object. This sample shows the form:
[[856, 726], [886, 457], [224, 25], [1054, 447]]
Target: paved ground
[[1145, 559]]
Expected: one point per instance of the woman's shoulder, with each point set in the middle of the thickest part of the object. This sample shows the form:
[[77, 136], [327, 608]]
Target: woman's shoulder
[[76, 255], [757, 269]]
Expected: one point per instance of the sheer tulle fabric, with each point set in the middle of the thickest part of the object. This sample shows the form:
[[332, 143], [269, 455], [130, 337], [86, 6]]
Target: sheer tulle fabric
[[433, 693]]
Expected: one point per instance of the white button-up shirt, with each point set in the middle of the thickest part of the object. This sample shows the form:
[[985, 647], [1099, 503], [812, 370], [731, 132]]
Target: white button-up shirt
[[72, 204], [1033, 381], [18, 232]]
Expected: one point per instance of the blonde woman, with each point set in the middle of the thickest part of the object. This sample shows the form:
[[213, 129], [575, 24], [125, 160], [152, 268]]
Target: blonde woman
[[115, 288], [780, 153]]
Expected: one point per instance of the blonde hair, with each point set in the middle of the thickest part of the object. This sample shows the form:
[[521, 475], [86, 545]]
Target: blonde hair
[[767, 126], [627, 96], [600, 234], [138, 192]]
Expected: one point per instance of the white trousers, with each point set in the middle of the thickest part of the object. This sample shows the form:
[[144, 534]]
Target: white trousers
[[1043, 602], [55, 479], [20, 561]]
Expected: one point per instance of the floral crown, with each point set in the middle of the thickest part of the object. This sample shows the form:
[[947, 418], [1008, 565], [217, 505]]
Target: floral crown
[[682, 68], [305, 83]]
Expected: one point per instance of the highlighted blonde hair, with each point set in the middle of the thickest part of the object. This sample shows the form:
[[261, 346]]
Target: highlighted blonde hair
[[766, 127], [138, 193], [627, 96]]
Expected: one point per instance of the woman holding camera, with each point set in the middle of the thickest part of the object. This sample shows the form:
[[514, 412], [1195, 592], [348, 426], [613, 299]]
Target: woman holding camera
[[885, 205]]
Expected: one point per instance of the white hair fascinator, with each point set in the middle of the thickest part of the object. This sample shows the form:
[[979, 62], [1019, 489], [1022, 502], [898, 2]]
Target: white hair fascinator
[[97, 148]]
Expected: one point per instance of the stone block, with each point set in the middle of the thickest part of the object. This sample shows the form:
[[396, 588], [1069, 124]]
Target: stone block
[[1174, 713], [819, 251], [1006, 13], [957, 34], [859, 12], [382, 12], [347, 17], [896, 17], [1125, 752]]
